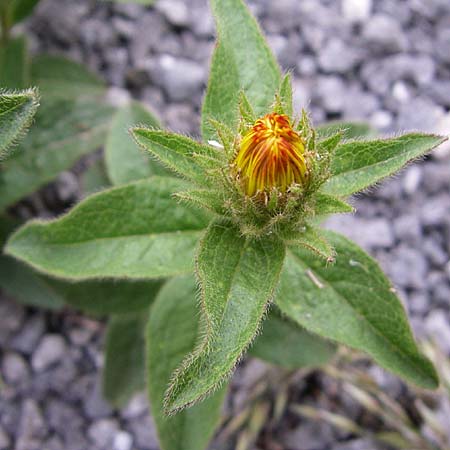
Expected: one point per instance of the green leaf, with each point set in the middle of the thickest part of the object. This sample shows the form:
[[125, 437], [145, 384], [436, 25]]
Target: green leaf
[[16, 113], [124, 371], [349, 130], [59, 77], [102, 297], [14, 64], [359, 164], [172, 333], [64, 130], [136, 231], [284, 343], [21, 9], [26, 286], [237, 280], [19, 281], [327, 204], [352, 302], [242, 60], [94, 178], [125, 161], [178, 153]]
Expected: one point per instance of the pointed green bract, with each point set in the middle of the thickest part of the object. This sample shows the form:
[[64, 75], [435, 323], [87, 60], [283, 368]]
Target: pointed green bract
[[286, 95], [136, 231], [237, 281], [125, 161], [59, 77], [204, 198], [328, 204], [172, 333], [286, 344], [14, 64], [313, 239], [63, 131], [353, 303], [360, 164], [242, 60], [124, 371], [178, 153], [16, 113]]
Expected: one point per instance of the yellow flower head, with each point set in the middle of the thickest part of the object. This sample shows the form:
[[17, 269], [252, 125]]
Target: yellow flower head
[[271, 155]]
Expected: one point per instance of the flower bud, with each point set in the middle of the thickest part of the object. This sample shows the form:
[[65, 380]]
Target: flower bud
[[271, 155]]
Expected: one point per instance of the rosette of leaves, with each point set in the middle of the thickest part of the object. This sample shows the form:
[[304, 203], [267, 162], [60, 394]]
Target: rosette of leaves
[[267, 278]]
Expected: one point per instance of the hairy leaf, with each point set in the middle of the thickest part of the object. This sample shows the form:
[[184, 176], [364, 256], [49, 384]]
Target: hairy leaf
[[14, 64], [176, 152], [125, 161], [64, 130], [124, 371], [349, 130], [284, 343], [60, 77], [16, 113], [359, 164], [237, 281], [172, 333], [135, 231], [241, 61], [352, 302]]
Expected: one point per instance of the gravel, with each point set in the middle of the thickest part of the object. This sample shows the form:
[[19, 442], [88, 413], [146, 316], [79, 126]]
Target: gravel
[[381, 61]]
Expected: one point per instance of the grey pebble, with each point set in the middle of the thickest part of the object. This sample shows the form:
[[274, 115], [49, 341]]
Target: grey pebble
[[144, 431], [384, 34], [28, 337], [438, 326], [94, 405], [15, 369], [50, 350], [102, 433], [337, 57], [180, 78]]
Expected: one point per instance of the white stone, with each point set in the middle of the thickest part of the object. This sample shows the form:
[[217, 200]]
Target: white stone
[[117, 97], [122, 441], [412, 179], [401, 92], [356, 10], [381, 120]]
